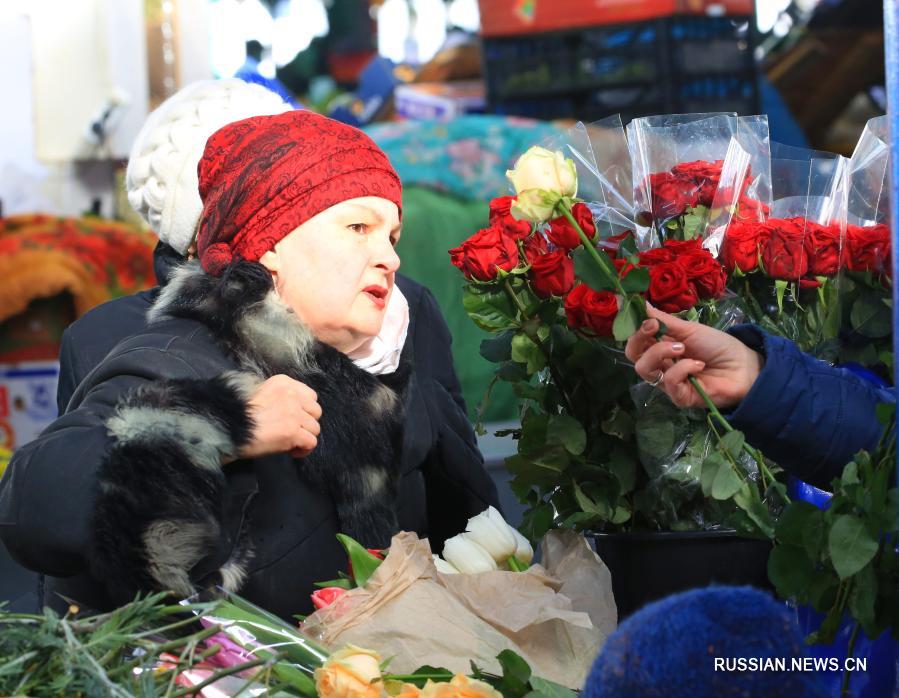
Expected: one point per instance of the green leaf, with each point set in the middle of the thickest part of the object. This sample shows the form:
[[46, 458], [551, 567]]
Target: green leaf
[[814, 534], [567, 432], [710, 468], [870, 317], [624, 467], [514, 666], [587, 270], [886, 411], [601, 509], [822, 592], [342, 583], [863, 595], [620, 423], [695, 221], [498, 348], [727, 482], [790, 570], [850, 474], [491, 311], [525, 351], [550, 689], [436, 674], [732, 443], [536, 522], [363, 562], [636, 281], [629, 318], [793, 521], [850, 544]]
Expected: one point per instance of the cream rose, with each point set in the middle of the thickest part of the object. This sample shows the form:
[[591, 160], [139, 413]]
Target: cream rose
[[467, 556], [541, 177], [348, 673], [490, 530]]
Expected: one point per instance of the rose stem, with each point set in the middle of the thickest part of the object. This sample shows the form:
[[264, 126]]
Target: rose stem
[[597, 257], [534, 337]]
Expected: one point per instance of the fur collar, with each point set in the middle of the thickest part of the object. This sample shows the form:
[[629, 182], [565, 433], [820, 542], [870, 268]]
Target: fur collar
[[243, 309]]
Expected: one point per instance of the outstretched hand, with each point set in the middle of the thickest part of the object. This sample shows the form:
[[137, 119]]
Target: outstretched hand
[[724, 366]]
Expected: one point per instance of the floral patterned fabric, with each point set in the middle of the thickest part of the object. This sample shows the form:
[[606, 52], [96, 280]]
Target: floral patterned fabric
[[466, 157]]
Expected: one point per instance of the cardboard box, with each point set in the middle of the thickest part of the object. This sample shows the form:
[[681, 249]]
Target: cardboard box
[[513, 17], [438, 100], [27, 400]]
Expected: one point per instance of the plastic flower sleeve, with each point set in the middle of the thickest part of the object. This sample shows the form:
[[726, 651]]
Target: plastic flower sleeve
[[868, 176], [676, 164], [744, 188], [603, 163]]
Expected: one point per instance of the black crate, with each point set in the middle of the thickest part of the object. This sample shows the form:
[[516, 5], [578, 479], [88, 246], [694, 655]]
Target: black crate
[[667, 65]]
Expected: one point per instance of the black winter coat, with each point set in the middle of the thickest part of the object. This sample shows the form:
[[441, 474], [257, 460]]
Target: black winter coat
[[48, 497]]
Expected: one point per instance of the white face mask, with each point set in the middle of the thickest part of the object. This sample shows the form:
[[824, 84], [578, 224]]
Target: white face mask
[[381, 354]]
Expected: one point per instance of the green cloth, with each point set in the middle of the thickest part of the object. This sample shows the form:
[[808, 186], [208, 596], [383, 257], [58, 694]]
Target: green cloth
[[434, 223]]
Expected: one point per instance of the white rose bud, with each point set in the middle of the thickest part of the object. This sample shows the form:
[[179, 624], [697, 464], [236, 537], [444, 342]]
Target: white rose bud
[[541, 177], [490, 530], [467, 556], [443, 566], [523, 551]]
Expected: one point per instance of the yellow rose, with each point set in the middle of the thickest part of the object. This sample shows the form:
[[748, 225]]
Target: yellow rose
[[460, 687], [408, 690], [541, 177], [349, 673]]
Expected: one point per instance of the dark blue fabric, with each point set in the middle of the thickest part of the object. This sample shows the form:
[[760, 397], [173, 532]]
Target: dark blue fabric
[[806, 415], [668, 649]]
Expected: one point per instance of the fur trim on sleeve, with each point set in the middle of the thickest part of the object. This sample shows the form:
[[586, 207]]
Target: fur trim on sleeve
[[159, 506]]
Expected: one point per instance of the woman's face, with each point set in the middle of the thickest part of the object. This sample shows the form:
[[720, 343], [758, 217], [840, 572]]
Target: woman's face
[[337, 270]]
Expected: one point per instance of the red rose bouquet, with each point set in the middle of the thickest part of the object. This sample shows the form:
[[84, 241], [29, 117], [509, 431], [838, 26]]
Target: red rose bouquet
[[594, 449]]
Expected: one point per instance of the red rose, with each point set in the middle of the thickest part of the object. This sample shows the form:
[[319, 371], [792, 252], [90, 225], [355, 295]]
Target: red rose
[[704, 177], [669, 288], [823, 248], [501, 207], [680, 247], [809, 283], [591, 310], [869, 248], [535, 247], [562, 234], [751, 210], [623, 267], [657, 255], [704, 272], [552, 274], [670, 195], [322, 598], [483, 253], [784, 256], [612, 244], [740, 247]]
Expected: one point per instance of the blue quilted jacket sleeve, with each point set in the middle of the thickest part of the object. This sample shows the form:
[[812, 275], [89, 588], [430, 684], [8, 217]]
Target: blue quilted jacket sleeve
[[806, 415]]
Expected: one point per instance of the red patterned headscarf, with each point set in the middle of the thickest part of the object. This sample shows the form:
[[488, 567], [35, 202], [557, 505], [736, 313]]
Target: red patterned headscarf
[[260, 178]]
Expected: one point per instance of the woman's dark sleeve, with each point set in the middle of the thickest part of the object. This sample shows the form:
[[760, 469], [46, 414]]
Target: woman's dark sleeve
[[806, 415], [49, 492]]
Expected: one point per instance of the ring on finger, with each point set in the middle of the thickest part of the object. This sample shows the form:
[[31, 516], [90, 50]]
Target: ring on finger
[[658, 379]]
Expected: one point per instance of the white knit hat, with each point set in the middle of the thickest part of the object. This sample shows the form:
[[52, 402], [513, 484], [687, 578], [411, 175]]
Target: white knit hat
[[161, 180]]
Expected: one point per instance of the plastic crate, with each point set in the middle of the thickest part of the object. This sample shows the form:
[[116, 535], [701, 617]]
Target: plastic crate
[[639, 68]]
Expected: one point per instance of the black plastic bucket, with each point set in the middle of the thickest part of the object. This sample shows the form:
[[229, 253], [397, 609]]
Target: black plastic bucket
[[649, 566]]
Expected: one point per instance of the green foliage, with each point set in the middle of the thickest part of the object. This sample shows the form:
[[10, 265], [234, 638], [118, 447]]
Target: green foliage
[[114, 654], [843, 560]]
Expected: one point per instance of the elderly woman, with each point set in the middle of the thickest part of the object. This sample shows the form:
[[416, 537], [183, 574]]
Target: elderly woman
[[271, 403]]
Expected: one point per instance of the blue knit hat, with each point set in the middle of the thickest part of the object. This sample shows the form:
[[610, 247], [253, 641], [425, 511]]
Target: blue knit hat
[[668, 649]]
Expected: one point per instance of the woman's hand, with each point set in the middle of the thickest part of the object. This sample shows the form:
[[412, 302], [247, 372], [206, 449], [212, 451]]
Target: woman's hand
[[285, 413], [725, 367]]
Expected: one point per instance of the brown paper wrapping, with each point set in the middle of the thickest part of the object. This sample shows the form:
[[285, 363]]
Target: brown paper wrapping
[[556, 617]]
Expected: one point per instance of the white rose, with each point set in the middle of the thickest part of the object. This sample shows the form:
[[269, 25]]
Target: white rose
[[490, 530], [541, 177], [467, 556], [443, 566], [523, 550]]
